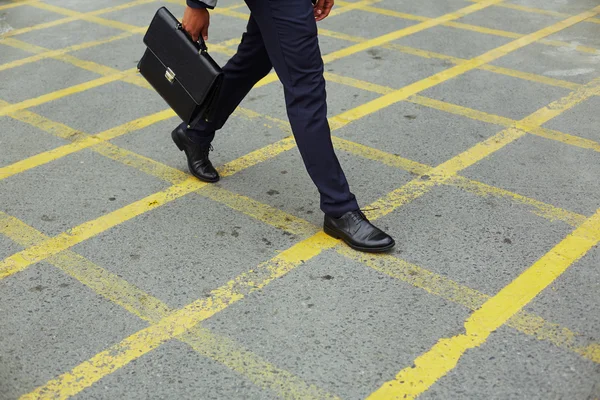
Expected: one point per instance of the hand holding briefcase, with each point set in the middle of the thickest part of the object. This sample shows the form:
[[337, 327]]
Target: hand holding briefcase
[[180, 69]]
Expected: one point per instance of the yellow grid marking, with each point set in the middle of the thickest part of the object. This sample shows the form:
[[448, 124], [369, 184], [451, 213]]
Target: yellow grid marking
[[65, 92], [474, 28], [16, 4], [450, 290], [181, 321], [546, 116], [150, 309], [21, 260], [444, 356], [381, 40], [494, 313], [540, 11], [146, 340], [81, 143], [459, 69], [74, 16], [531, 324], [456, 60], [54, 53]]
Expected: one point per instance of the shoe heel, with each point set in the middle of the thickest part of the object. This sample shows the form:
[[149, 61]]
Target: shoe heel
[[330, 232], [177, 140]]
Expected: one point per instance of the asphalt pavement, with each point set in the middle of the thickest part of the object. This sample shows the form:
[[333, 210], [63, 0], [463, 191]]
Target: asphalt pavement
[[467, 129]]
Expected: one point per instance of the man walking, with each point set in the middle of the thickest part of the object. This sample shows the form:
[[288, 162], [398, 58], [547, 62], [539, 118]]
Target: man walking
[[282, 34]]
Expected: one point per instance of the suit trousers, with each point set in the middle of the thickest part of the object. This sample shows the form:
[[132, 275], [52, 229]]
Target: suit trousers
[[282, 34]]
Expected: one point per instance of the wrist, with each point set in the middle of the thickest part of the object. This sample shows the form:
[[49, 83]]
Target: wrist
[[197, 4]]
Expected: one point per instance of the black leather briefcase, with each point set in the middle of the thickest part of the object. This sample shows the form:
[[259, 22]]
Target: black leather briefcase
[[180, 69]]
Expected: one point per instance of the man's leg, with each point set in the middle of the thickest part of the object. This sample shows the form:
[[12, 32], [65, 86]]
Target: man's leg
[[249, 65], [289, 31]]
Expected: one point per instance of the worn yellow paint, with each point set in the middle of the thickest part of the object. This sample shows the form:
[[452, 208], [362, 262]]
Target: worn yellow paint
[[540, 11], [455, 60], [405, 92], [544, 210], [381, 40], [460, 110], [495, 312], [73, 16], [259, 371], [93, 15], [418, 277], [481, 29], [64, 92], [23, 259], [181, 321], [152, 310], [357, 83], [87, 373], [551, 134], [566, 138], [471, 299], [15, 4], [81, 141], [41, 55]]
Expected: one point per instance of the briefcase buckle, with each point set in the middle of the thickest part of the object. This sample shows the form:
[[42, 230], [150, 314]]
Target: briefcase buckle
[[170, 75]]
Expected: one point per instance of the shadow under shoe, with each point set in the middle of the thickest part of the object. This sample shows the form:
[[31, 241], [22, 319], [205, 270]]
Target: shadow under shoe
[[357, 232], [197, 156]]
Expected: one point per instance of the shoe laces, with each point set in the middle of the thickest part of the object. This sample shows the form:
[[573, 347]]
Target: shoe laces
[[204, 150], [358, 216]]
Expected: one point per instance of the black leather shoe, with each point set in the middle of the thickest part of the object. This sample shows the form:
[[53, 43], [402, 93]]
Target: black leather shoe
[[356, 230], [197, 157]]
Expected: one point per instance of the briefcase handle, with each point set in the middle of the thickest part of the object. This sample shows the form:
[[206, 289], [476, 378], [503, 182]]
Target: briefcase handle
[[201, 43]]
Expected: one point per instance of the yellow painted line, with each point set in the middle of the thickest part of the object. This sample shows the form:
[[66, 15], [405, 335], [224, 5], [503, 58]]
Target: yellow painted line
[[544, 210], [440, 286], [144, 341], [81, 142], [478, 29], [558, 136], [152, 310], [259, 371], [64, 92], [495, 312], [566, 138], [460, 110], [540, 11], [531, 77], [262, 212], [15, 4], [418, 277], [381, 40], [45, 25], [554, 109], [74, 16], [93, 16], [357, 83], [52, 53], [181, 321], [471, 299], [21, 260], [402, 94], [455, 60]]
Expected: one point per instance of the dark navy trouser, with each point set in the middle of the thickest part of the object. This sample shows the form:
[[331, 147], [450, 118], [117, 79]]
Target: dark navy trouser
[[283, 34]]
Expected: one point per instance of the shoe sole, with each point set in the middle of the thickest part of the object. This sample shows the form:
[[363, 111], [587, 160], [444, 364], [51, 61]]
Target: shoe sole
[[334, 234], [181, 147]]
